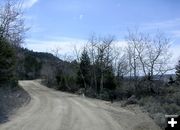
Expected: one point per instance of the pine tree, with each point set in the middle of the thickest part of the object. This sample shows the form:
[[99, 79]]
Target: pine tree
[[7, 62], [171, 80], [84, 70], [109, 79], [178, 72]]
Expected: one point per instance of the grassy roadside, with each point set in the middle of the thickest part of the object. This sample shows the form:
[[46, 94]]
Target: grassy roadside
[[157, 106]]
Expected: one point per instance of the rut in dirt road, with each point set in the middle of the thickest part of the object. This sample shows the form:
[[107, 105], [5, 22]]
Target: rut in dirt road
[[53, 110]]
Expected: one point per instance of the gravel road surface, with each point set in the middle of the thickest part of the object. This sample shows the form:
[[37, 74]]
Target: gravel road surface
[[54, 110]]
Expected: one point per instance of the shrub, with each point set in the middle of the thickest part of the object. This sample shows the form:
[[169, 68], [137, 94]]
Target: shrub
[[159, 119], [131, 100], [176, 97], [171, 109], [104, 95]]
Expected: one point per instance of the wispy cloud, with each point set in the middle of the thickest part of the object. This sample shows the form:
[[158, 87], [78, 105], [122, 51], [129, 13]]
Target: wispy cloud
[[162, 24], [170, 27], [176, 33], [29, 3]]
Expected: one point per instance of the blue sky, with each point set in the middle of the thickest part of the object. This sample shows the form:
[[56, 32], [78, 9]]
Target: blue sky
[[64, 23]]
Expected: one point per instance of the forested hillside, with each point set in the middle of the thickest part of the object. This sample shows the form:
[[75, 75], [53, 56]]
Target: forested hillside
[[29, 63]]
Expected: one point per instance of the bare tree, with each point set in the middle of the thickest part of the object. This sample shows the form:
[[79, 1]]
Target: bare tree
[[48, 72], [12, 22], [93, 41], [100, 51], [122, 66], [132, 59], [148, 55], [137, 47], [158, 55], [104, 56]]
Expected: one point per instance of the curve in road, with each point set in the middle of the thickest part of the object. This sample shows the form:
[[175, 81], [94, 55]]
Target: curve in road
[[53, 110]]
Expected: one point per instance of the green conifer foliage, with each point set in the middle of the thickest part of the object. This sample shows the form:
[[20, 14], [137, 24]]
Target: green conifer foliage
[[7, 62], [178, 72]]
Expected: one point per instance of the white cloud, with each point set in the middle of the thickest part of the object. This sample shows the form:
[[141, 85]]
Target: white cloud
[[175, 53], [29, 3], [121, 44], [65, 45]]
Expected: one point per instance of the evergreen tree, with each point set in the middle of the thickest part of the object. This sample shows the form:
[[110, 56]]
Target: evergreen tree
[[171, 80], [109, 79], [7, 62], [83, 78], [32, 67], [178, 72]]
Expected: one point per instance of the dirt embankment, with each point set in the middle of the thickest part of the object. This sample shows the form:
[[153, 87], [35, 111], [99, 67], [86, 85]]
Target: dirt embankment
[[10, 100]]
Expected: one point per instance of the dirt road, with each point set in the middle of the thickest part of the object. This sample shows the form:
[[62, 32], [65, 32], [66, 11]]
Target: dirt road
[[53, 110]]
